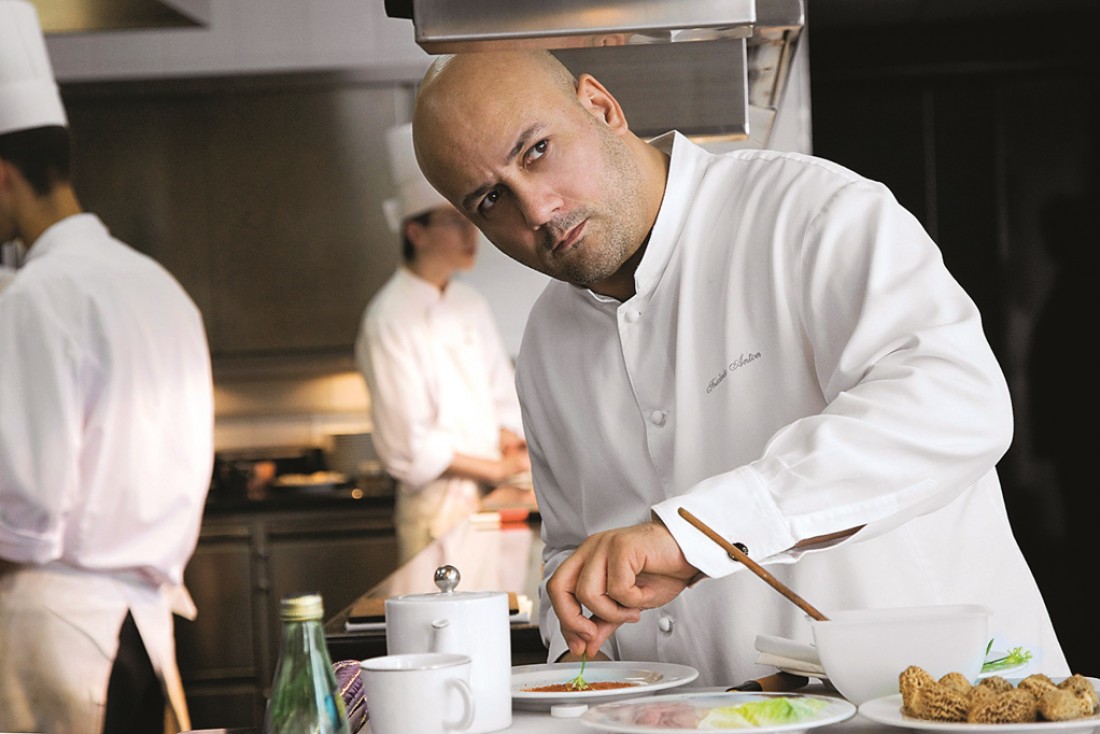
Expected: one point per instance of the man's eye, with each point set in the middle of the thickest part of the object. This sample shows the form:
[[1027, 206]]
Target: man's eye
[[489, 201], [538, 150]]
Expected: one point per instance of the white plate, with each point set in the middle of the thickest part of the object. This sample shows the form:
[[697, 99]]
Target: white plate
[[887, 710], [648, 677], [682, 712]]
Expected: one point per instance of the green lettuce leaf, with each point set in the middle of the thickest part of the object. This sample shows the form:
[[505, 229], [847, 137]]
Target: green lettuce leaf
[[769, 711]]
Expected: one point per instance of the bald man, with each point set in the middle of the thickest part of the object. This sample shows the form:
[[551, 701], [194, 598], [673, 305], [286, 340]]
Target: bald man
[[767, 340]]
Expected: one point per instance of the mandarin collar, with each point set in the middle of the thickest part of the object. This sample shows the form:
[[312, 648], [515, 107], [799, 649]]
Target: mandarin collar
[[424, 292], [685, 168], [83, 226]]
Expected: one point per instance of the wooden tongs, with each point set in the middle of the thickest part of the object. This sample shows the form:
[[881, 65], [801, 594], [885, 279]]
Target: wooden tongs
[[780, 681]]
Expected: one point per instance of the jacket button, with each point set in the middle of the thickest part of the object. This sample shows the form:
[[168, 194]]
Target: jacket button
[[665, 624], [741, 547], [658, 417]]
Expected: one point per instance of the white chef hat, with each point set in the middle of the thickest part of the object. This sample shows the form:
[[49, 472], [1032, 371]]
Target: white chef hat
[[28, 93], [414, 194]]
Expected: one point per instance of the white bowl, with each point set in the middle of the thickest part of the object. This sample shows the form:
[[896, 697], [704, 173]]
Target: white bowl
[[863, 651]]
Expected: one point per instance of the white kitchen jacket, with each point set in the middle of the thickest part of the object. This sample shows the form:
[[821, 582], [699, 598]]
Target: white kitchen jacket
[[106, 451], [796, 361], [440, 383], [106, 409]]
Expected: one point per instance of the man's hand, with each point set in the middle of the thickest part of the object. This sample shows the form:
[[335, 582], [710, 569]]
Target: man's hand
[[616, 574], [510, 442]]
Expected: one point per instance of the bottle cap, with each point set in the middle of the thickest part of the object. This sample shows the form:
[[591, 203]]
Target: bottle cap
[[301, 608]]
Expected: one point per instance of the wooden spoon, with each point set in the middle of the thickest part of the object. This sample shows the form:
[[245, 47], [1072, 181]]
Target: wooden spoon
[[738, 555]]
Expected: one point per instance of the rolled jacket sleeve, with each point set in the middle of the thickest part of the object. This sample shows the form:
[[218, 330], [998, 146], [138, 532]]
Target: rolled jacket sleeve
[[39, 429]]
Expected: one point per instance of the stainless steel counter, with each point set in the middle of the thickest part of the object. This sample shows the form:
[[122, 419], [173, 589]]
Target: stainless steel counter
[[376, 493]]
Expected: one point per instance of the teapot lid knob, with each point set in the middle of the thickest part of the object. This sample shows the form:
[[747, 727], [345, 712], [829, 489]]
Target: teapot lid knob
[[447, 578]]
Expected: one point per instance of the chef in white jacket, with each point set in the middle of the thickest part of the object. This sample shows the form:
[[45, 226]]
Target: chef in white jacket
[[106, 423], [446, 419], [767, 340]]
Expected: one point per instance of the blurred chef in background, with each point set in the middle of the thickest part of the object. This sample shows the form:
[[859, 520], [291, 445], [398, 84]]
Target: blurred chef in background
[[106, 438], [443, 401]]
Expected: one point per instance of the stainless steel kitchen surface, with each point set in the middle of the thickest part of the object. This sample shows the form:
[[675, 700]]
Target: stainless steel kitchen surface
[[709, 62], [262, 195], [80, 16]]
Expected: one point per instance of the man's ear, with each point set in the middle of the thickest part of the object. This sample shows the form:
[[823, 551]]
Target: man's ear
[[601, 103], [414, 233], [10, 176]]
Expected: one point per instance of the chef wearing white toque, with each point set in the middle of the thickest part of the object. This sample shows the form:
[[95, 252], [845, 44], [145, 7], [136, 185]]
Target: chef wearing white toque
[[106, 438], [446, 417]]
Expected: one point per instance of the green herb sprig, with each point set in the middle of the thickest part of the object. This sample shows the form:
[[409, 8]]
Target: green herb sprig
[[579, 683], [1015, 656]]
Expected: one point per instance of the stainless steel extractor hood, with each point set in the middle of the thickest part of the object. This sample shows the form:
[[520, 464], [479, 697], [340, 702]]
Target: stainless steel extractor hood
[[714, 69], [79, 16]]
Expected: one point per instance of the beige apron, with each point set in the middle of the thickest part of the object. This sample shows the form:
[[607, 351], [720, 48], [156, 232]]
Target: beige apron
[[59, 640]]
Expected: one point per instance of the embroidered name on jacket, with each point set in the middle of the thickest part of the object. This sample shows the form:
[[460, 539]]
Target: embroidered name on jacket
[[733, 366]]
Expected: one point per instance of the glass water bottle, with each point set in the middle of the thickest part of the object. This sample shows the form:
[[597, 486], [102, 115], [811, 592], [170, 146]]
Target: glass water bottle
[[304, 697]]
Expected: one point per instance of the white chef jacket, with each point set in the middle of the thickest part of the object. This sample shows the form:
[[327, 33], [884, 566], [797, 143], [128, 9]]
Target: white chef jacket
[[796, 361], [106, 451], [440, 383]]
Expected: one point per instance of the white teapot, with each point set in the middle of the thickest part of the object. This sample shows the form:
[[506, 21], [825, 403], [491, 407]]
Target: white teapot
[[470, 623]]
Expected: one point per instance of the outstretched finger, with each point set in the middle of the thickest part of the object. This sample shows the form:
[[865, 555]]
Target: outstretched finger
[[576, 628], [603, 631]]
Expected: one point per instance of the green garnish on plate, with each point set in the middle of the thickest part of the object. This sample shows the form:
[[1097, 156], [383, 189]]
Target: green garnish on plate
[[1016, 656], [579, 683]]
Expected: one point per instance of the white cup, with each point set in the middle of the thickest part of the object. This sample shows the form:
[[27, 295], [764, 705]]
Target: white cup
[[425, 693]]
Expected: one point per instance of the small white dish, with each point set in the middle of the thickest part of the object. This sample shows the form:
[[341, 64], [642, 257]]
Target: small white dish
[[800, 658], [887, 710], [864, 650], [647, 678], [795, 667], [685, 712]]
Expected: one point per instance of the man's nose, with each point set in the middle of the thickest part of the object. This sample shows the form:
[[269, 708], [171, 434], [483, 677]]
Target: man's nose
[[538, 205]]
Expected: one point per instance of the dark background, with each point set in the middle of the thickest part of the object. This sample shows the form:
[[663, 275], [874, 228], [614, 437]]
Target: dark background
[[982, 118]]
